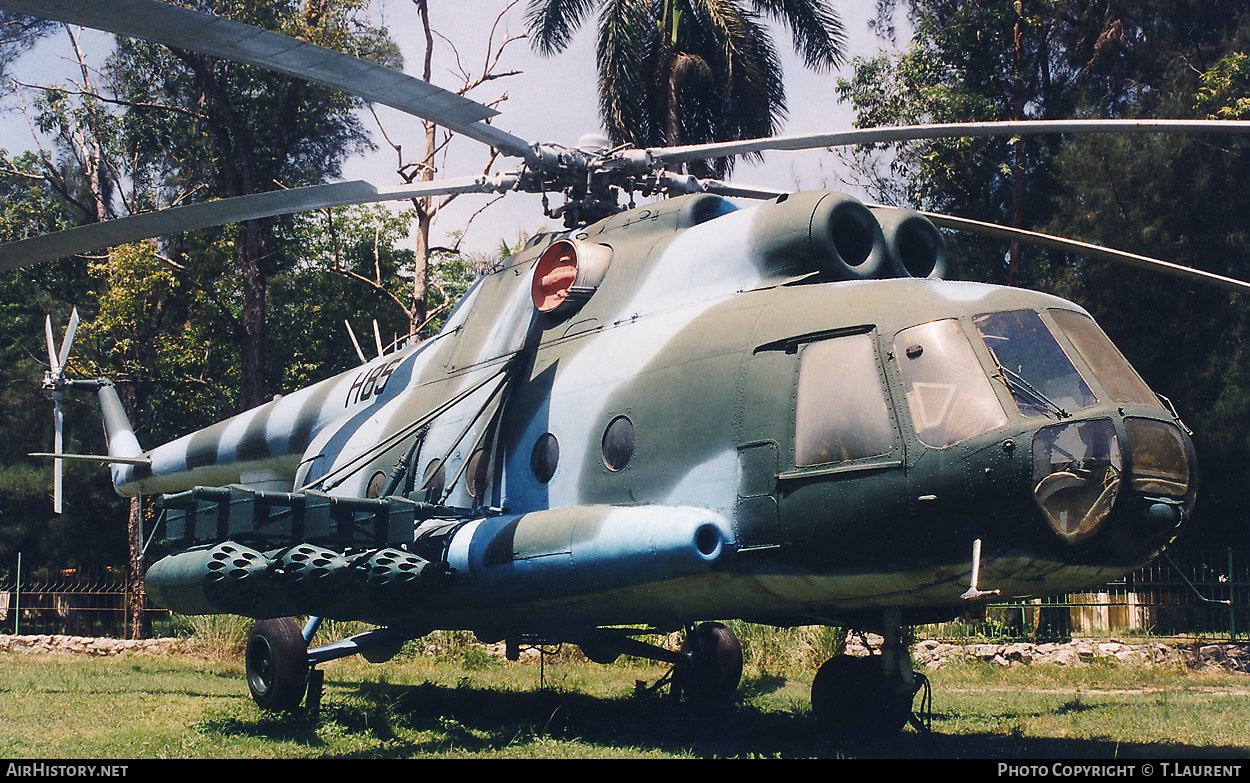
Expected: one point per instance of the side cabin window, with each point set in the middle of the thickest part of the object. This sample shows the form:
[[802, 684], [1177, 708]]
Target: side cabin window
[[947, 391], [840, 409]]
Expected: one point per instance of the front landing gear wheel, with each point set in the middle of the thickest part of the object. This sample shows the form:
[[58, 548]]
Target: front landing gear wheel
[[277, 664], [851, 696], [715, 665]]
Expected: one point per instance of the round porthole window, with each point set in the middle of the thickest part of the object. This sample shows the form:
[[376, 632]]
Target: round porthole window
[[377, 485], [618, 443], [477, 473], [545, 457], [435, 480]]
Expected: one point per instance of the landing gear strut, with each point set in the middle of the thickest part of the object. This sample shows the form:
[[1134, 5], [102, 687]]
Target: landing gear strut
[[713, 664], [868, 696]]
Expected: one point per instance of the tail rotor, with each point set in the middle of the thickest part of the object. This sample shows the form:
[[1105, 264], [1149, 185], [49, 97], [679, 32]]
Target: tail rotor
[[54, 380]]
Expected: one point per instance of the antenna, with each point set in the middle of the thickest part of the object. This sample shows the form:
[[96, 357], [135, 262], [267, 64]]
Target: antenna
[[355, 342], [377, 336], [54, 380], [973, 590]]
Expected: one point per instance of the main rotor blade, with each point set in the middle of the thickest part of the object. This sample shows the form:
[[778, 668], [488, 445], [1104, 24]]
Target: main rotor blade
[[733, 190], [1088, 250], [183, 28], [110, 233], [100, 458], [938, 131]]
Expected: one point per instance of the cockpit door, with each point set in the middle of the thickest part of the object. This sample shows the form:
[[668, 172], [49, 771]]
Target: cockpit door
[[842, 475]]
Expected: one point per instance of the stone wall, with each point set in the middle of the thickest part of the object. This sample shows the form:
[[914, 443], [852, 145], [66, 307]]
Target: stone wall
[[87, 645], [928, 653]]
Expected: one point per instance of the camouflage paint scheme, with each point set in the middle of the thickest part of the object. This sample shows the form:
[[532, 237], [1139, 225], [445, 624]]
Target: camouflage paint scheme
[[695, 334]]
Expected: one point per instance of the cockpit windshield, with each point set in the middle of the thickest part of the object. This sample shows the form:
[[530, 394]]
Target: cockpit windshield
[[1110, 368], [1046, 362], [1032, 365]]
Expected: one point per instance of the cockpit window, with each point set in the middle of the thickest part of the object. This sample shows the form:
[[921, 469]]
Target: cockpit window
[[1110, 369], [1032, 365], [949, 397], [841, 412]]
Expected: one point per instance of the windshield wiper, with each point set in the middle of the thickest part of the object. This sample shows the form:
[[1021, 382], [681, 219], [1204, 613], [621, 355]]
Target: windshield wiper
[[1015, 383]]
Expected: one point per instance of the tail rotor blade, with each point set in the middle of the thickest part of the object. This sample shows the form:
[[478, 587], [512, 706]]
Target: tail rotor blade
[[68, 342], [47, 330]]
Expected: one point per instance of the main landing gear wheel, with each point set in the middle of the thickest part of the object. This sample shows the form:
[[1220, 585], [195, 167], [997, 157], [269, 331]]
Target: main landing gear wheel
[[277, 664], [715, 665], [852, 696]]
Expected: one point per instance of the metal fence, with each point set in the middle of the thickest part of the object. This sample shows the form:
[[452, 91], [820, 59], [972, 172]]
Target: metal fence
[[71, 603], [1185, 593]]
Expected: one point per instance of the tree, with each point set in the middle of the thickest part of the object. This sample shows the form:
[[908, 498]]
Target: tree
[[969, 62], [361, 246], [219, 129], [1181, 198], [677, 72], [428, 295], [27, 524]]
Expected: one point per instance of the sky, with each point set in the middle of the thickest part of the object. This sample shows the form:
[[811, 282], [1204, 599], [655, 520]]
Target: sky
[[555, 100], [550, 100]]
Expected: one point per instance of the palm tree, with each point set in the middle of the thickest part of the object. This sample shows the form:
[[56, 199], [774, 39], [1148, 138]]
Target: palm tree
[[690, 71]]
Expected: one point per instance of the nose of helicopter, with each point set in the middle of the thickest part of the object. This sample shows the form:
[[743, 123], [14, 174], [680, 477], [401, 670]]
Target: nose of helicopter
[[1077, 469], [1086, 473]]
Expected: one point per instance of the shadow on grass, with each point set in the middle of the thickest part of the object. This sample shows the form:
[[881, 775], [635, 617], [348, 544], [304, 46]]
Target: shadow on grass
[[409, 721], [275, 726]]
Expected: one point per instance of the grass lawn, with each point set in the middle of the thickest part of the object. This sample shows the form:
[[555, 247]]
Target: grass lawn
[[473, 705]]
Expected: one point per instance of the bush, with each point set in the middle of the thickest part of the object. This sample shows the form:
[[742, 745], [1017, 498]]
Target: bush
[[787, 652], [214, 636]]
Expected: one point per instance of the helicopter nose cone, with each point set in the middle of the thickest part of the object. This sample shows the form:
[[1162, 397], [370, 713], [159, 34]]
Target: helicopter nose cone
[[1076, 476], [1130, 491]]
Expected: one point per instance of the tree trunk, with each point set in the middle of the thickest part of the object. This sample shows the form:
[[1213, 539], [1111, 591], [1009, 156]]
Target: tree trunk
[[252, 372], [136, 594], [88, 139], [421, 267], [420, 306], [140, 625], [1018, 164], [238, 179]]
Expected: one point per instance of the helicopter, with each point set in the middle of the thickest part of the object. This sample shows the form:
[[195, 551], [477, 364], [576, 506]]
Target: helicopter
[[657, 419]]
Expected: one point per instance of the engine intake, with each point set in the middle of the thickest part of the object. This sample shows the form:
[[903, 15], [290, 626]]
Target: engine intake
[[832, 233], [914, 246]]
